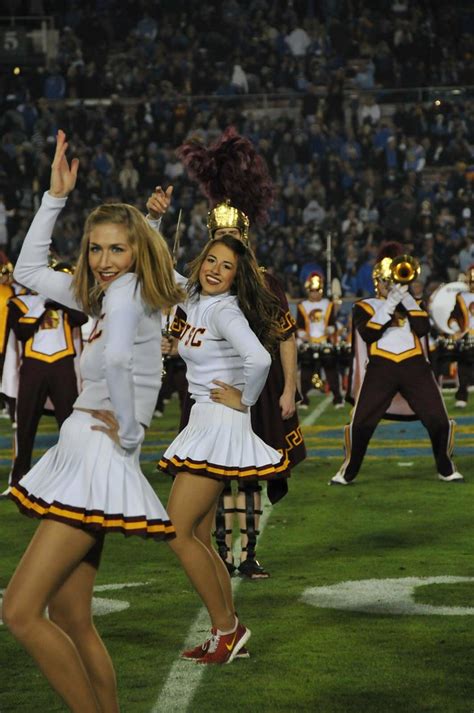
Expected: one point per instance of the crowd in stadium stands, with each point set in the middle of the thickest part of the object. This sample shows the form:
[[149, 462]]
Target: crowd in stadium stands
[[344, 160]]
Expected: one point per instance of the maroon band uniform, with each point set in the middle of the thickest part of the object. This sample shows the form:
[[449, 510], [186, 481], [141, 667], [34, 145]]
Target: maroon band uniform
[[45, 330], [398, 383]]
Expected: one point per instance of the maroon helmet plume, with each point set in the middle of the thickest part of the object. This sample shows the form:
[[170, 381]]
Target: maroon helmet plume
[[230, 169], [389, 249]]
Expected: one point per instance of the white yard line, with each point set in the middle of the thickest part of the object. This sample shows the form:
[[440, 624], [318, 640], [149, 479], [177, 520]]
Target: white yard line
[[314, 415], [184, 676]]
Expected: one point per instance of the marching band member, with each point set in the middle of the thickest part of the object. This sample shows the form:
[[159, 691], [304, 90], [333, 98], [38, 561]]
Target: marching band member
[[316, 322], [6, 292], [463, 316], [398, 380], [11, 355], [49, 335]]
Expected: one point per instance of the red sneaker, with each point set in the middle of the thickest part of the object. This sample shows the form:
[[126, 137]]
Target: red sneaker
[[198, 651], [223, 648]]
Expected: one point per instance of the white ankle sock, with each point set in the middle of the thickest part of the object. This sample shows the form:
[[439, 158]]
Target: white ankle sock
[[224, 633]]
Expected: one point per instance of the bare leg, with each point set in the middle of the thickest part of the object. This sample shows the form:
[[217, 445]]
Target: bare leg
[[192, 498], [70, 609], [203, 533], [52, 555]]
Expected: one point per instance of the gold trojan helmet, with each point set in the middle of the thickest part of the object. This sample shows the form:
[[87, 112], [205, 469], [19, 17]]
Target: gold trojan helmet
[[315, 281], [225, 215], [401, 270], [382, 270]]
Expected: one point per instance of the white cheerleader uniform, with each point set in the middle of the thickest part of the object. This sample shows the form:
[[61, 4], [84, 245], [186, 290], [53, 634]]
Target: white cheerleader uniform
[[86, 479], [217, 343]]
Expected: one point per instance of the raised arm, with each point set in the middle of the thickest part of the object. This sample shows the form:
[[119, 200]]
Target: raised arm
[[157, 205], [32, 269]]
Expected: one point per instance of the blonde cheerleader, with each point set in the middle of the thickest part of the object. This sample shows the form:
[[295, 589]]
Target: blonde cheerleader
[[90, 483]]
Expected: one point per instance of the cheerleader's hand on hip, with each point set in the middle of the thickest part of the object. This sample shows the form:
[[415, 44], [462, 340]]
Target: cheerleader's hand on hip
[[228, 396], [110, 427]]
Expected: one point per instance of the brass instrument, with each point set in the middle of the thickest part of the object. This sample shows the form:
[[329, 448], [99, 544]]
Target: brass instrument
[[404, 269], [6, 270], [308, 356], [60, 265], [317, 382]]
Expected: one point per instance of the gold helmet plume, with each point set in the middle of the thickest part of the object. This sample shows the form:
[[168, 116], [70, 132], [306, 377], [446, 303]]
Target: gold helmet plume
[[225, 215]]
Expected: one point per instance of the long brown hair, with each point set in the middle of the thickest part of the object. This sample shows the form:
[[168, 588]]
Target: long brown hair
[[259, 305], [152, 260]]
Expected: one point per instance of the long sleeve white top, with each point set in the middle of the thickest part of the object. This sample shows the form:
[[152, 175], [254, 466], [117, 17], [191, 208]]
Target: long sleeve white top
[[121, 362], [218, 343]]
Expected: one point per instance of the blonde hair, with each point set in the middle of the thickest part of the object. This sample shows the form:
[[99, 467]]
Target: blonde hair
[[152, 264]]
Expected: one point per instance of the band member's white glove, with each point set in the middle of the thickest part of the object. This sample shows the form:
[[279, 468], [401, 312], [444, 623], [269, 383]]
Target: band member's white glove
[[36, 307], [409, 302], [395, 296]]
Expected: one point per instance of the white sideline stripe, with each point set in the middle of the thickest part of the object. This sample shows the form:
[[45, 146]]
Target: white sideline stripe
[[184, 676], [314, 415]]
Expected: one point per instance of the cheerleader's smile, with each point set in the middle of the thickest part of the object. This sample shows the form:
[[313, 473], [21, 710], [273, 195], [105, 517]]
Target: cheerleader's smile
[[218, 270], [110, 254]]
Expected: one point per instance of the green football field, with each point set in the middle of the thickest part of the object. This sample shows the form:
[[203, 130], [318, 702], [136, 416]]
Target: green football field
[[369, 609]]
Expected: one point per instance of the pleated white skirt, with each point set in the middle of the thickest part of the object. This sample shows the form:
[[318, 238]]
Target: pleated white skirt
[[219, 443], [88, 481]]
